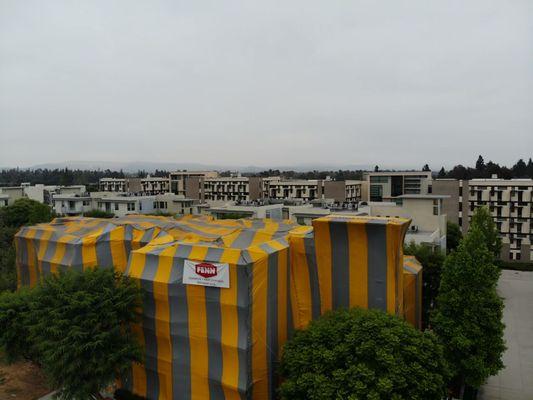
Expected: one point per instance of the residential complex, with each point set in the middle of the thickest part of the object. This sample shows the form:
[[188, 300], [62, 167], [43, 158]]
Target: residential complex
[[155, 185], [120, 185], [509, 202], [189, 183], [232, 189]]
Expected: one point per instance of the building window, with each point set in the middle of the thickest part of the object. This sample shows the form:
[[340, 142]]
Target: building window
[[435, 207], [379, 179], [376, 193], [116, 206], [131, 206]]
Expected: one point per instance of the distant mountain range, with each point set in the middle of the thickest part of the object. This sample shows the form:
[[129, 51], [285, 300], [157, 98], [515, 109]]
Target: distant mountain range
[[135, 166]]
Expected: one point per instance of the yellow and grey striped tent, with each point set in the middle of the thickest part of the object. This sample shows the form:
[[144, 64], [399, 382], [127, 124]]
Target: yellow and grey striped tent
[[223, 342], [412, 290], [348, 261]]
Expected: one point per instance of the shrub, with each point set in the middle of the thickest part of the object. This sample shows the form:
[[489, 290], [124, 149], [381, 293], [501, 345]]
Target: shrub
[[362, 354], [14, 320], [25, 212], [98, 214]]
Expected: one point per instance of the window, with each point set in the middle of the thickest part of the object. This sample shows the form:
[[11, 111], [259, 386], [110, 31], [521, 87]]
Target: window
[[430, 189], [435, 207], [86, 202], [376, 192], [116, 206], [131, 206]]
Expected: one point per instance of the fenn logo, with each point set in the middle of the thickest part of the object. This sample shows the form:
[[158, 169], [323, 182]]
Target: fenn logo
[[206, 270]]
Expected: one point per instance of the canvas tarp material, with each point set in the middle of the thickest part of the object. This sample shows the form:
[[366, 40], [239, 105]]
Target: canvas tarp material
[[347, 261], [412, 290], [215, 342]]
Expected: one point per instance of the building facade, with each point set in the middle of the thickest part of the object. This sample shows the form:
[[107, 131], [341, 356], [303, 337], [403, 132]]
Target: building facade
[[384, 186], [509, 202], [225, 189], [155, 185]]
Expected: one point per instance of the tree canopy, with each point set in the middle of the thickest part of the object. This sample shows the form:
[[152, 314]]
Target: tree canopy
[[468, 318], [482, 220], [77, 326], [362, 354], [453, 236]]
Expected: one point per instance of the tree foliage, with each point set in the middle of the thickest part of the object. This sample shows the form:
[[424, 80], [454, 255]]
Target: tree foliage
[[432, 262], [482, 220], [468, 318], [98, 214], [25, 212], [362, 354], [453, 236], [520, 169], [77, 325]]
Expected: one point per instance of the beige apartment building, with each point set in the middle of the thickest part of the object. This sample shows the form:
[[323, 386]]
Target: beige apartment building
[[226, 189], [384, 186], [306, 190], [189, 183], [509, 202], [155, 185], [120, 185]]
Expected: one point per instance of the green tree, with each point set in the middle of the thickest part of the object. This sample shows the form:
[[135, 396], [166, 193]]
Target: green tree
[[480, 166], [14, 315], [453, 236], [426, 168], [432, 261], [442, 173], [8, 271], [25, 212], [482, 220], [78, 327], [362, 354], [468, 317]]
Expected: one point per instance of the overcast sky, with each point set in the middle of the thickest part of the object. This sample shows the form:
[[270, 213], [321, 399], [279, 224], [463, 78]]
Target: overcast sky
[[267, 83]]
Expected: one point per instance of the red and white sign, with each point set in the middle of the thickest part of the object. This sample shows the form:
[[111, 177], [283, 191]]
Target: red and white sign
[[206, 274]]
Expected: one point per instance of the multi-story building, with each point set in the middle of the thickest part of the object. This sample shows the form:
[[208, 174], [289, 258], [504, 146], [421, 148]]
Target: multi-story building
[[232, 189], [306, 190], [120, 185], [155, 185], [343, 191], [71, 205], [189, 183], [384, 186], [509, 202]]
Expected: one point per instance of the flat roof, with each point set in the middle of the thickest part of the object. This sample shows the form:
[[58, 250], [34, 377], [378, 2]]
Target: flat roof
[[399, 173]]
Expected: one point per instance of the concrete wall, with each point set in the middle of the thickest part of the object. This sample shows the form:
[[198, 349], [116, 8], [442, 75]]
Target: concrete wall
[[335, 190], [450, 206], [256, 188]]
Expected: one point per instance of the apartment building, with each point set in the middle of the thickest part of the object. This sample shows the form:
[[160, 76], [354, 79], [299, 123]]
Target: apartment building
[[307, 190], [226, 189], [121, 205], [384, 186], [120, 185], [155, 185], [509, 202], [189, 183], [343, 191]]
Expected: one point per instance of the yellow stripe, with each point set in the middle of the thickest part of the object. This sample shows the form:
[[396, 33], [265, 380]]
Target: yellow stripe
[[394, 271], [162, 326], [259, 317], [300, 283], [118, 250], [323, 258], [88, 250], [58, 255], [229, 336], [198, 333], [358, 247]]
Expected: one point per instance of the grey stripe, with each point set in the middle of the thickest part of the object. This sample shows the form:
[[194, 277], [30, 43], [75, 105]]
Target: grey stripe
[[214, 332], [37, 243], [340, 266], [272, 322], [49, 253], [377, 264], [24, 267], [103, 251], [147, 236], [179, 327], [149, 326], [244, 328], [310, 254], [244, 239]]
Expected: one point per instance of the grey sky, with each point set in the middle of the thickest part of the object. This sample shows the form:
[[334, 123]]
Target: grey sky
[[266, 83]]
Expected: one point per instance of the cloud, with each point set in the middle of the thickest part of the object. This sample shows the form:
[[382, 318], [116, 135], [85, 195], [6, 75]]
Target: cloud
[[269, 83]]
